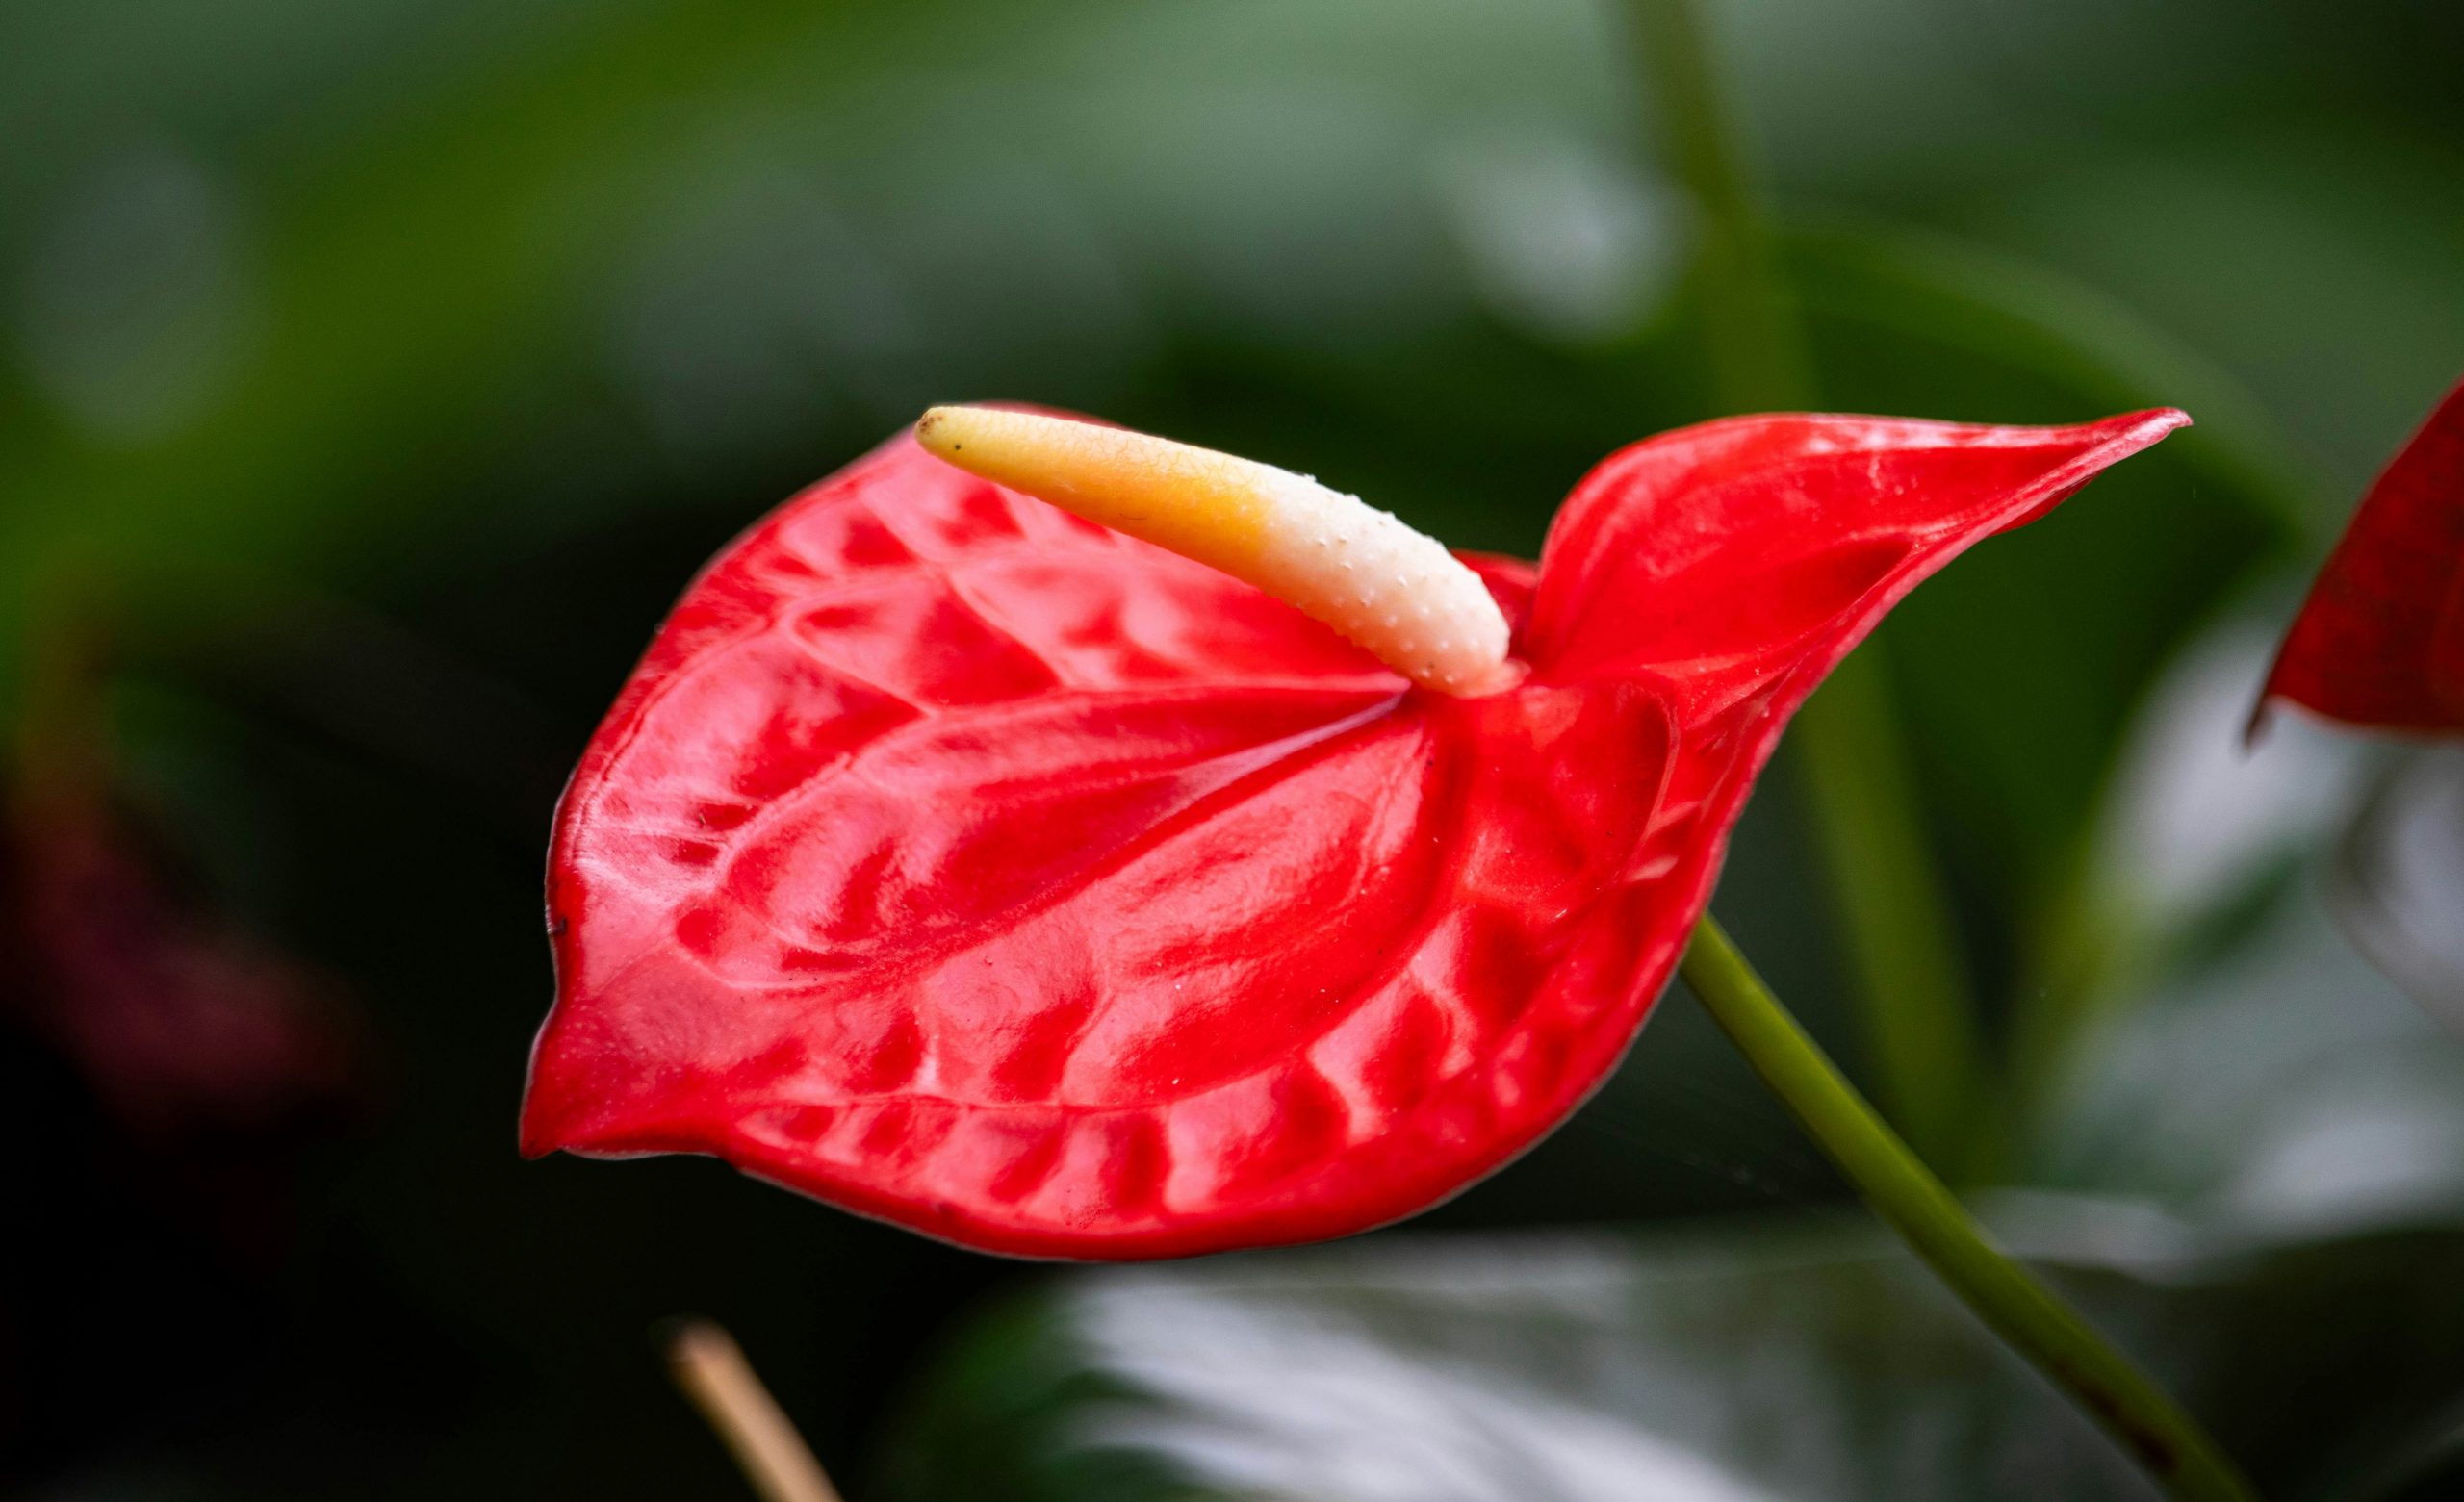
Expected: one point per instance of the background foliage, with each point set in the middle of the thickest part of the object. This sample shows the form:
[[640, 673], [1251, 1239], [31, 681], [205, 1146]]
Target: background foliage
[[373, 375]]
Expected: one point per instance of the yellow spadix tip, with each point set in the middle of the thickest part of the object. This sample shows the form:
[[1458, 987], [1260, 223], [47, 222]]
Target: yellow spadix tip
[[1395, 593]]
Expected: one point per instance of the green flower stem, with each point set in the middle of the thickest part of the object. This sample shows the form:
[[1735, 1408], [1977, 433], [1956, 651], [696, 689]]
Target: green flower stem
[[1917, 1015], [2104, 1383], [1917, 1023], [1759, 359]]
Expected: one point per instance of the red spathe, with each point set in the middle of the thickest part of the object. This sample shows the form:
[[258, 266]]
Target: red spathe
[[969, 865], [2380, 640]]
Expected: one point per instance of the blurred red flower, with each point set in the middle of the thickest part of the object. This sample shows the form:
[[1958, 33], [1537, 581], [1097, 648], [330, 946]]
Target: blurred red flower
[[181, 1024], [177, 1021], [2380, 640]]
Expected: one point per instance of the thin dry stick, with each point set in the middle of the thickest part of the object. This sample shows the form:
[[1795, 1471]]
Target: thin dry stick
[[710, 1367]]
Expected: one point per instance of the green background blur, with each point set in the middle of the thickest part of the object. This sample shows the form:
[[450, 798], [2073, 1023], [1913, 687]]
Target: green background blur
[[372, 376]]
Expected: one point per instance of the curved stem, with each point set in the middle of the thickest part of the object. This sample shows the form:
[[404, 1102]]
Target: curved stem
[[1758, 351], [710, 1367], [1917, 1018], [2105, 1383]]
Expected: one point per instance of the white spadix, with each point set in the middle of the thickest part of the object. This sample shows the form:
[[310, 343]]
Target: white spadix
[[1397, 594]]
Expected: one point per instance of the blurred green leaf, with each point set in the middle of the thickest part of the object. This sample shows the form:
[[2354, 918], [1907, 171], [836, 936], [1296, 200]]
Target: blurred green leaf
[[2314, 256], [1701, 1366], [1976, 302], [2399, 887], [2281, 1090]]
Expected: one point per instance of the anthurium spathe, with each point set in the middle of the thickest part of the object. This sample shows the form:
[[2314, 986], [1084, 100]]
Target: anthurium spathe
[[968, 863], [2380, 640]]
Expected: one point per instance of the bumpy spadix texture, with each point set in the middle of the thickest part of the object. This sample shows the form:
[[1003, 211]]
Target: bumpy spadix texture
[[1393, 591], [2380, 640], [967, 864]]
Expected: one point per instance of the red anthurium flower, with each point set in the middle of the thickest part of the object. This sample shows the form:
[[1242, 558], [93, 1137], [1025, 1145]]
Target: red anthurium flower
[[181, 1023], [186, 1028], [971, 865], [2380, 640]]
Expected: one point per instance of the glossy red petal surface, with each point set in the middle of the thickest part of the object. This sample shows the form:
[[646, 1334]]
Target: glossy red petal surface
[[970, 866], [2380, 640]]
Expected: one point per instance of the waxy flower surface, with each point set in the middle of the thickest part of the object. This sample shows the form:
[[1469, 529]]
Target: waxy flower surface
[[2380, 640], [971, 865]]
